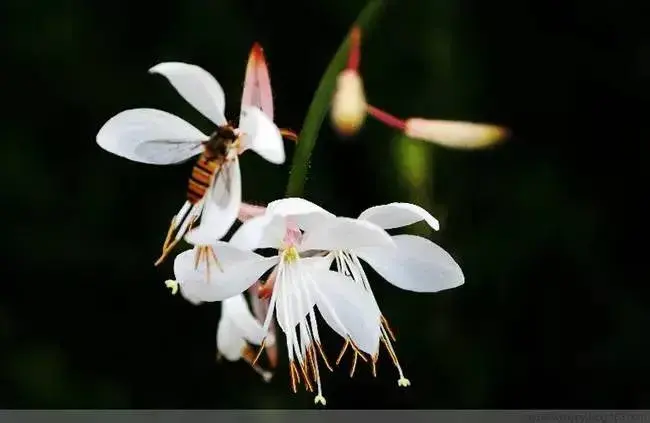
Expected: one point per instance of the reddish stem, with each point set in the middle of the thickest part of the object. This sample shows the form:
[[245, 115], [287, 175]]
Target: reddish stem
[[355, 47], [387, 118]]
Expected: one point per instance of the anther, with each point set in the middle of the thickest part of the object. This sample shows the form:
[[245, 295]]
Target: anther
[[295, 379], [311, 360], [373, 363], [403, 382], [319, 399], [247, 355], [358, 351], [322, 353], [354, 364], [170, 231], [259, 352], [173, 285], [343, 350], [384, 322], [305, 375], [167, 246]]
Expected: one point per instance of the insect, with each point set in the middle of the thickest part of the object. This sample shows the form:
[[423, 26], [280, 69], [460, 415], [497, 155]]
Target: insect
[[213, 192], [211, 160], [223, 145], [212, 164]]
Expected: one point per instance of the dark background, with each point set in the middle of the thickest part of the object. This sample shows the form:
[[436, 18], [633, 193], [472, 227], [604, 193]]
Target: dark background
[[555, 308]]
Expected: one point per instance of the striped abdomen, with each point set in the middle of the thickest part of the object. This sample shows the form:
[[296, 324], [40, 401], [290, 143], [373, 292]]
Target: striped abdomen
[[200, 179]]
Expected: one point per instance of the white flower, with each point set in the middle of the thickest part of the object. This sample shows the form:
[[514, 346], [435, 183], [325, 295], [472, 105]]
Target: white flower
[[301, 285], [157, 137], [416, 264], [237, 328]]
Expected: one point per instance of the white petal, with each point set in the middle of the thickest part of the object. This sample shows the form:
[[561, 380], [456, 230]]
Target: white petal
[[261, 135], [294, 205], [150, 136], [294, 308], [264, 231], [343, 233], [417, 264], [190, 293], [237, 271], [197, 87], [230, 343], [303, 213], [319, 262], [357, 312], [236, 309], [396, 215], [296, 297], [221, 207]]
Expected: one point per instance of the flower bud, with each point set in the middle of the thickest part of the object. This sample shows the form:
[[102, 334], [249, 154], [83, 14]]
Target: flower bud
[[349, 103], [461, 135]]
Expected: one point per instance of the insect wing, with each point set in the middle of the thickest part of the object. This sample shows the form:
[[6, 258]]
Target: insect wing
[[150, 136], [222, 201], [167, 152]]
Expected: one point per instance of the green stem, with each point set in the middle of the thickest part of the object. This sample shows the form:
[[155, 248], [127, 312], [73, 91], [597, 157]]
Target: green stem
[[320, 105]]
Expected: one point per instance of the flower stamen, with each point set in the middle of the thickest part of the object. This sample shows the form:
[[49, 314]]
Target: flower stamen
[[290, 254], [402, 381], [322, 354], [349, 264], [357, 351], [206, 252], [295, 378], [260, 350], [375, 358], [386, 326], [305, 375], [343, 350], [247, 354], [354, 365], [188, 223]]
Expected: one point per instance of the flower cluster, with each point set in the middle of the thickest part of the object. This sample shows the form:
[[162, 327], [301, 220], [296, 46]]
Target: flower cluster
[[317, 266]]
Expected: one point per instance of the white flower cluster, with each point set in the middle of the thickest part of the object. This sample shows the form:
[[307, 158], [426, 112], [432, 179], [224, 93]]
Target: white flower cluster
[[317, 266]]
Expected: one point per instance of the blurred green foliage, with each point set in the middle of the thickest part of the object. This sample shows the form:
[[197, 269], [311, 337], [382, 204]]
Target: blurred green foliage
[[554, 310]]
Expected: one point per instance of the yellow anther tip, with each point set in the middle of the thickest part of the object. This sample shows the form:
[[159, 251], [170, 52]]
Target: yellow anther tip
[[173, 285], [403, 382], [319, 399], [291, 254]]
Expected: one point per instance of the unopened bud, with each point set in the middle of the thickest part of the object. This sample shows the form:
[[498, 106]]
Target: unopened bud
[[461, 135], [349, 103]]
